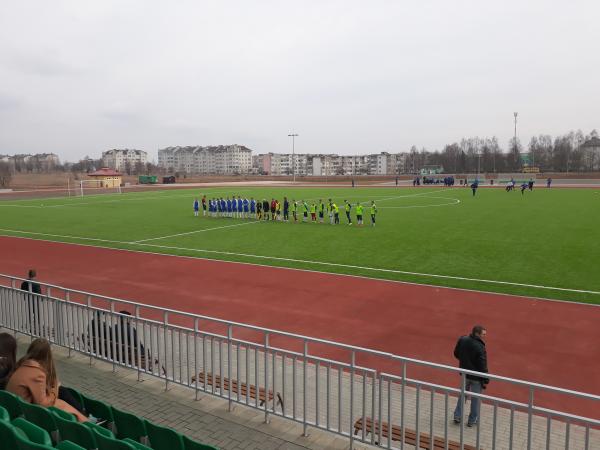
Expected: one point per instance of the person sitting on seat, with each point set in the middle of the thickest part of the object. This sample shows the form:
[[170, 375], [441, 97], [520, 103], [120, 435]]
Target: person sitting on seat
[[8, 357], [35, 379]]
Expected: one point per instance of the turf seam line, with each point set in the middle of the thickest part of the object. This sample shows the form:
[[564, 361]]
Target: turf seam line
[[322, 263]]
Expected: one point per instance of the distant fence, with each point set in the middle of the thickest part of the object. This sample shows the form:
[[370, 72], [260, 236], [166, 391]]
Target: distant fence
[[286, 375]]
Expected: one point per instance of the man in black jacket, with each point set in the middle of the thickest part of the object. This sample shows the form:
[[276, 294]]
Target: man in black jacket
[[470, 351], [32, 301]]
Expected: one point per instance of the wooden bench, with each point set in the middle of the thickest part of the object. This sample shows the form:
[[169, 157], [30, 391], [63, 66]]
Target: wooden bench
[[238, 387], [410, 436]]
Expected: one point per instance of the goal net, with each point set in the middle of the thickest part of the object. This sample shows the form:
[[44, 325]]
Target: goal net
[[96, 187]]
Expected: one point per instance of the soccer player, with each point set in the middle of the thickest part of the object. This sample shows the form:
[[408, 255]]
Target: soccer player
[[246, 205], [229, 207], [305, 211], [359, 214], [523, 187], [348, 207], [548, 183], [286, 209], [277, 210], [235, 206], [294, 206], [313, 212], [265, 209], [321, 210], [530, 184], [373, 212], [330, 211], [273, 206], [474, 187], [196, 207], [252, 208], [204, 205], [259, 210], [336, 214]]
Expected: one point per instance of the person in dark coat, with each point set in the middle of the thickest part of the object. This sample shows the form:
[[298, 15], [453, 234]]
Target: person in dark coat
[[471, 354], [34, 289]]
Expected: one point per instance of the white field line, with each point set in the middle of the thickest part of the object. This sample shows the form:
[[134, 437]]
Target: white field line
[[76, 203], [455, 202], [196, 231], [318, 263]]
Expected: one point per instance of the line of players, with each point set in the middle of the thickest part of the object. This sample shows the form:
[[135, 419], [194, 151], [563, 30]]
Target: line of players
[[243, 208]]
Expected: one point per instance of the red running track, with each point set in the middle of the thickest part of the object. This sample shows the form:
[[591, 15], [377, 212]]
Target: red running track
[[555, 343]]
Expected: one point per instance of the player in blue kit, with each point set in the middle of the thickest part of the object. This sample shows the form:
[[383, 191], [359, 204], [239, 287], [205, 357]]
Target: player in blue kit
[[229, 207], [252, 208], [234, 207], [245, 204], [196, 207]]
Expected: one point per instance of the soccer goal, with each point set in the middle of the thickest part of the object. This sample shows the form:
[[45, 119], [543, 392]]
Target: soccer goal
[[94, 187]]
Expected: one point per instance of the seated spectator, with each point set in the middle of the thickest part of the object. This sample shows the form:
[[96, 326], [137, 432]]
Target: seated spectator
[[8, 357], [35, 379]]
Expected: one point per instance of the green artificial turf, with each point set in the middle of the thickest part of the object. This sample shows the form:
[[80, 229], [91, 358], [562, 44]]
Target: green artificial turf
[[548, 237]]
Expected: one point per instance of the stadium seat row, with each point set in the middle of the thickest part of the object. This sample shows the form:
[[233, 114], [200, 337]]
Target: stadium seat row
[[25, 426]]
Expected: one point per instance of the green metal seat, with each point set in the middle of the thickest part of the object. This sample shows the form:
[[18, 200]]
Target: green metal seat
[[99, 409], [11, 403], [136, 445], [4, 415], [42, 417], [130, 426], [193, 445], [163, 438], [76, 432], [34, 433], [68, 445], [110, 443]]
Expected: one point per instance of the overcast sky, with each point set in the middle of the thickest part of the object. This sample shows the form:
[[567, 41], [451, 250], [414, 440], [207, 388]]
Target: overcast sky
[[79, 77]]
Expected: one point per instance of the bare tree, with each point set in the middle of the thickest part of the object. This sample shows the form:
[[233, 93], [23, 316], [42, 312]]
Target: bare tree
[[5, 174]]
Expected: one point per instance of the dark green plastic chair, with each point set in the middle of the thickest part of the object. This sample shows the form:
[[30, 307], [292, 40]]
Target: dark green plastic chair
[[110, 443], [100, 429], [99, 410], [130, 426], [163, 438], [4, 415], [8, 435], [76, 433], [41, 417], [68, 445], [11, 403], [136, 445], [193, 445], [25, 444], [63, 414], [34, 433]]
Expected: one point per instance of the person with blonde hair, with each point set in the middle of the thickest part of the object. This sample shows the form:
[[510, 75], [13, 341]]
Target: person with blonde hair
[[35, 379]]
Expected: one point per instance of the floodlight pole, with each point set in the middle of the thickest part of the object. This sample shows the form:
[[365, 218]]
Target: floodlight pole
[[293, 136]]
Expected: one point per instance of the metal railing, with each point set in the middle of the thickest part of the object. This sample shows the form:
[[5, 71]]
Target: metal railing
[[335, 387]]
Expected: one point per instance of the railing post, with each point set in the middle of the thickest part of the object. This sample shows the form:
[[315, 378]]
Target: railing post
[[166, 359], [88, 328], [138, 343], [229, 337], [529, 417], [196, 373], [114, 335], [351, 425], [305, 397], [266, 379], [461, 399], [402, 406], [67, 305]]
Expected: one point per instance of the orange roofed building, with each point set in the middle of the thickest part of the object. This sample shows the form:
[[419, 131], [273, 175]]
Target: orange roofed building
[[107, 178]]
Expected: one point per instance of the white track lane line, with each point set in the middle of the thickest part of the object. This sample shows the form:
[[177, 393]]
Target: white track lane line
[[194, 232], [318, 263]]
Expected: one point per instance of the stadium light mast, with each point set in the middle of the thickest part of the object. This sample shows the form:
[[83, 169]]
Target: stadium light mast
[[293, 136], [515, 141]]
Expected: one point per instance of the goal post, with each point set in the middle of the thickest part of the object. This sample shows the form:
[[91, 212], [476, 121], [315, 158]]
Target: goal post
[[95, 187]]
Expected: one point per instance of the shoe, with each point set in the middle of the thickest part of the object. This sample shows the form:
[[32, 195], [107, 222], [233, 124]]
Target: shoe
[[456, 420], [471, 424]]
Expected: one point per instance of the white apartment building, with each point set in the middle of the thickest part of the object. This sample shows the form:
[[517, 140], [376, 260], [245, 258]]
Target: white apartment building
[[221, 159], [118, 159]]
